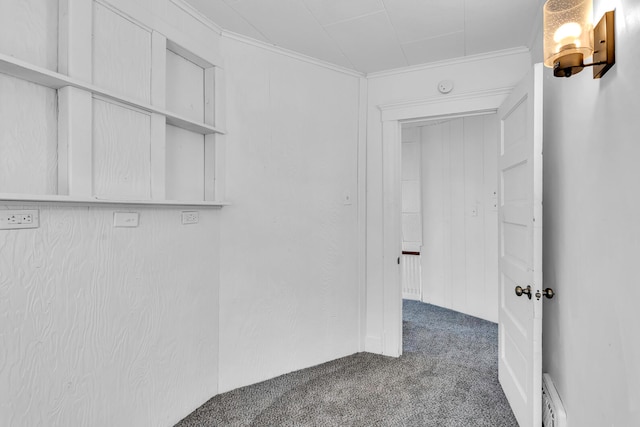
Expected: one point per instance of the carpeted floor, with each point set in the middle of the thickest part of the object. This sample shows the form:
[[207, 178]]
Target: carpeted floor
[[447, 376]]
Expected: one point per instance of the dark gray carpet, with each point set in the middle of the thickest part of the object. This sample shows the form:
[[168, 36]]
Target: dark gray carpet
[[447, 376]]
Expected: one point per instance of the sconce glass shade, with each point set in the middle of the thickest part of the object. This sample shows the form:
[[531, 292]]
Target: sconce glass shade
[[568, 33]]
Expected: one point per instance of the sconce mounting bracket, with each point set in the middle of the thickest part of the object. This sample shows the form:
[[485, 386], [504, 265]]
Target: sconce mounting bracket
[[604, 53]]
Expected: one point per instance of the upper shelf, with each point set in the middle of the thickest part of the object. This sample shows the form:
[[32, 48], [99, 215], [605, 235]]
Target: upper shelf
[[44, 77], [10, 197]]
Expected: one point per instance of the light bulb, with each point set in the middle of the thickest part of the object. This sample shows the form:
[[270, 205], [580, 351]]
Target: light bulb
[[567, 33]]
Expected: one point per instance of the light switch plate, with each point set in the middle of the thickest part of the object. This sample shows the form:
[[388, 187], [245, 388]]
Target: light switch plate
[[126, 219], [12, 219], [346, 198]]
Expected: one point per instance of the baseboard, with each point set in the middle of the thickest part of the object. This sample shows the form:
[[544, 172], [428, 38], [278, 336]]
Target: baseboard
[[373, 344]]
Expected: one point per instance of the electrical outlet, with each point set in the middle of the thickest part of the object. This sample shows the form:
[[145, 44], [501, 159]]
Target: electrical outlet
[[190, 217], [12, 220]]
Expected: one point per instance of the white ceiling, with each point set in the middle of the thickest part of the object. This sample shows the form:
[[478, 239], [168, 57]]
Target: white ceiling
[[377, 35]]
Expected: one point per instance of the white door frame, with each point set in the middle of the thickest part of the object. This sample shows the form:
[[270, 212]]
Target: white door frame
[[393, 115]]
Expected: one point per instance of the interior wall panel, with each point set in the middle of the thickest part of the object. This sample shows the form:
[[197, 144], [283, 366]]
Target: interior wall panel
[[289, 294], [436, 256], [28, 137], [458, 213], [104, 326], [459, 257], [185, 87], [121, 54], [101, 326], [184, 168], [121, 152], [478, 213], [591, 236], [29, 31]]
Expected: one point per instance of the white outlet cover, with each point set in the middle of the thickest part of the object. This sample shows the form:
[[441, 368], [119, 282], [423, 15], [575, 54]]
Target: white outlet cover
[[13, 220], [190, 217]]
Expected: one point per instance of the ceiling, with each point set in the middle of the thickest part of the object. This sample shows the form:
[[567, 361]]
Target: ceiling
[[377, 35]]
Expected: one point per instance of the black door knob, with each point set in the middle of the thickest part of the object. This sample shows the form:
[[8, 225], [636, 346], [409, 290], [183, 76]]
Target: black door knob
[[523, 291]]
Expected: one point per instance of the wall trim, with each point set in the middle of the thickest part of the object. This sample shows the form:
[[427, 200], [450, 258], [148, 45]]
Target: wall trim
[[449, 62], [537, 25], [393, 115], [110, 7], [373, 344], [484, 100], [362, 210], [290, 53], [195, 13]]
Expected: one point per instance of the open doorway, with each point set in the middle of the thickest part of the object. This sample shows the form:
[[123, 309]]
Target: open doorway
[[520, 229], [449, 213], [394, 117]]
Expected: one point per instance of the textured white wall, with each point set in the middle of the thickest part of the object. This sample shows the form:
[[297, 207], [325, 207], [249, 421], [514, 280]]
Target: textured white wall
[[99, 326], [592, 233], [107, 326], [289, 293], [408, 85], [35, 40]]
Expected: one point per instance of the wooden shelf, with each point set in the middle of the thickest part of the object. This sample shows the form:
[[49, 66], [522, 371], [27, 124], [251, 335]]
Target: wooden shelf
[[9, 197], [44, 77]]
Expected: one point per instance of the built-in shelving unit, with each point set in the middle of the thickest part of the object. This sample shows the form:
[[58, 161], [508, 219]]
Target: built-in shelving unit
[[127, 117]]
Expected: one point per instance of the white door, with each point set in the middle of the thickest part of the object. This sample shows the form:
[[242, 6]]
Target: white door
[[520, 248]]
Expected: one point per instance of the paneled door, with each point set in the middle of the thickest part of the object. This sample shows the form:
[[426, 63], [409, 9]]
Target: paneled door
[[520, 248]]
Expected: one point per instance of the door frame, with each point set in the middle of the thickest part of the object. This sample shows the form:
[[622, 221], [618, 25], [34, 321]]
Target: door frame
[[393, 116]]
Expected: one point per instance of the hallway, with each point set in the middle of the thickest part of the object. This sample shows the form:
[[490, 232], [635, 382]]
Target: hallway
[[447, 376]]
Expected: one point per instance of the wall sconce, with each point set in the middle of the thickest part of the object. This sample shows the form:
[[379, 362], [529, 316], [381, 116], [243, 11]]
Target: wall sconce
[[568, 38]]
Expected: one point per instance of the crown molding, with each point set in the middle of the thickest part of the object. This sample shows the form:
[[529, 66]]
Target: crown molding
[[449, 62], [195, 13], [537, 25], [290, 53]]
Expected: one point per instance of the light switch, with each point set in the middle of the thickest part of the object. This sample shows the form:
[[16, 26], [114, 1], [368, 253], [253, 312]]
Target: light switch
[[346, 198], [125, 219]]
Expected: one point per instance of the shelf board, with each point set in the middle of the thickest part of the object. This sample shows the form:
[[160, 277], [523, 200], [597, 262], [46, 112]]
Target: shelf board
[[11, 197], [183, 122], [44, 77]]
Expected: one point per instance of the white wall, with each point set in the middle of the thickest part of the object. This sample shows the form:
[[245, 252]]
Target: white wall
[[410, 272], [107, 326], [459, 194], [289, 296], [411, 186], [474, 74], [103, 326], [592, 233]]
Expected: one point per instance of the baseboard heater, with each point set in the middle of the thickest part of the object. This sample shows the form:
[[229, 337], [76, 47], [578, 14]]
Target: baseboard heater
[[553, 414]]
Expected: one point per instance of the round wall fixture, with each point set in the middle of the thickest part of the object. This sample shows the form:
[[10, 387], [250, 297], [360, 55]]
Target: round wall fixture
[[445, 86]]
